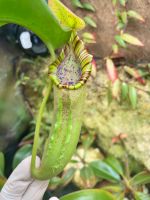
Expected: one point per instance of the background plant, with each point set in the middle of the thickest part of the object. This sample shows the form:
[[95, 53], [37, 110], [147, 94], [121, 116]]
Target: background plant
[[125, 92], [123, 84], [120, 88], [89, 166]]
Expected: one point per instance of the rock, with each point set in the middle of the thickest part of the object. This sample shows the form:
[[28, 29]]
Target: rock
[[14, 117], [109, 121]]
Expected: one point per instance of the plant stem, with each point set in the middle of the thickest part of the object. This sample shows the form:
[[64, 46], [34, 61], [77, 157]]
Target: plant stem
[[52, 52], [2, 181], [38, 124], [127, 184], [40, 114], [81, 159]]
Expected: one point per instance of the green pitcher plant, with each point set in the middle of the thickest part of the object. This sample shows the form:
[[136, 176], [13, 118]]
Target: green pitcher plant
[[69, 74], [56, 25]]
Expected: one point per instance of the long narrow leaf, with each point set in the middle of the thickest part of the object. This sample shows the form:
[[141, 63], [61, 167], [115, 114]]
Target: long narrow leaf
[[21, 154], [77, 3], [134, 73], [123, 2], [141, 179], [135, 15], [120, 41], [111, 70], [131, 39], [88, 6], [124, 90], [133, 96], [141, 196], [88, 20]]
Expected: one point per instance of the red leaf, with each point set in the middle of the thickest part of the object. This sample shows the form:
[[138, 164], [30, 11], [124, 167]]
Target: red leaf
[[135, 73], [94, 69], [111, 70]]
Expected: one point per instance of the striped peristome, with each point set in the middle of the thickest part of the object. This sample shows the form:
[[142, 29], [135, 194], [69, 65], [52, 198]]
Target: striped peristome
[[83, 58]]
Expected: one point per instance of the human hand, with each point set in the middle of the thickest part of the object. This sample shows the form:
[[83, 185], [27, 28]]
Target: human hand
[[21, 186]]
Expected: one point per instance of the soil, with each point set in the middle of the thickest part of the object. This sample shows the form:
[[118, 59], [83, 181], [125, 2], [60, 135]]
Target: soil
[[106, 23]]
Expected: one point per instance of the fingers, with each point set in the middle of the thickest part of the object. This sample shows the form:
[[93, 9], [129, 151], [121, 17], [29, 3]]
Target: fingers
[[36, 190], [19, 181], [20, 185]]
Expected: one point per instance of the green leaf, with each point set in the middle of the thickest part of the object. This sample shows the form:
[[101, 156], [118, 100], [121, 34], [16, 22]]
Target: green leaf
[[131, 39], [124, 90], [120, 25], [87, 142], [68, 175], [2, 164], [121, 196], [114, 2], [92, 194], [120, 41], [133, 96], [64, 180], [77, 3], [123, 2], [113, 188], [124, 17], [88, 6], [135, 15], [40, 20], [115, 164], [116, 189], [141, 196], [115, 48], [2, 23], [66, 18], [88, 37], [21, 154], [141, 179], [103, 170], [118, 14], [86, 172], [88, 20], [88, 177], [55, 181]]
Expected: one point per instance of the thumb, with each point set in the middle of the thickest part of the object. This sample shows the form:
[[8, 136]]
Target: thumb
[[19, 181]]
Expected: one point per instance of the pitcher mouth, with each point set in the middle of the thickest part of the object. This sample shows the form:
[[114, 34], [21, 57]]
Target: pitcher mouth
[[73, 67]]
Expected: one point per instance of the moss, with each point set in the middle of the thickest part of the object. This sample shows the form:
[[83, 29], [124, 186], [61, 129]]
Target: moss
[[108, 121]]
